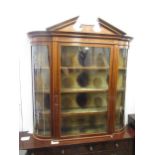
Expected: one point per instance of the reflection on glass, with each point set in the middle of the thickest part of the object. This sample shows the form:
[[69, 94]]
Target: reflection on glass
[[119, 123], [121, 79], [123, 57], [77, 56], [41, 79], [120, 98], [84, 85], [40, 56], [41, 90]]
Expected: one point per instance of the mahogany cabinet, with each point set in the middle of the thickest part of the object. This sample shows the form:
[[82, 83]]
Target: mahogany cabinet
[[78, 78]]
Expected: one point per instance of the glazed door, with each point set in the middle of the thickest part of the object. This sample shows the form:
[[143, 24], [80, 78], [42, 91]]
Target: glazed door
[[84, 72]]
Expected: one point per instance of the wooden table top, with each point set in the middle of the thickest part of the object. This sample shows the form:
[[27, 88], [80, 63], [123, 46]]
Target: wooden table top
[[36, 143]]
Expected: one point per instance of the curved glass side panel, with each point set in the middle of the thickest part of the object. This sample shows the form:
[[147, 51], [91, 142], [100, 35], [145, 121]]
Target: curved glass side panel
[[121, 82], [41, 90]]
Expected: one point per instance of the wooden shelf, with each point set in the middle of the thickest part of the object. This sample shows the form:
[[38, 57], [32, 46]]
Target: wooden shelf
[[41, 67], [84, 112], [45, 112], [120, 89], [122, 68], [86, 68], [118, 108], [83, 90], [42, 92], [97, 129]]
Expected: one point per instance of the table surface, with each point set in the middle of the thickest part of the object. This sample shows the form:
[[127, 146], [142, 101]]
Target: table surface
[[35, 143]]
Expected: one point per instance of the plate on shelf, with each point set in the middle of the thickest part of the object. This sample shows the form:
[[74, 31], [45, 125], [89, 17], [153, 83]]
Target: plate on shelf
[[83, 79], [82, 100]]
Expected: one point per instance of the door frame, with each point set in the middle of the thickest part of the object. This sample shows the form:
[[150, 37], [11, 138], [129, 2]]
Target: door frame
[[56, 46]]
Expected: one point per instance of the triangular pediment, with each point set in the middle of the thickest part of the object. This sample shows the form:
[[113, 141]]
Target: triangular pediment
[[103, 27]]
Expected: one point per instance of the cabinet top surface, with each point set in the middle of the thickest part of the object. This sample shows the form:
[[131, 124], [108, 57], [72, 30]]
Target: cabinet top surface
[[71, 28]]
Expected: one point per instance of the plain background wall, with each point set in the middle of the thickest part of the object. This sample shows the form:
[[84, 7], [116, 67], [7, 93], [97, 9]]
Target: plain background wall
[[19, 17]]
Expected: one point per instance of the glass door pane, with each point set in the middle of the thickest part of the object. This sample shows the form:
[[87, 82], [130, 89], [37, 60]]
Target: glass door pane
[[84, 89], [41, 90], [121, 81]]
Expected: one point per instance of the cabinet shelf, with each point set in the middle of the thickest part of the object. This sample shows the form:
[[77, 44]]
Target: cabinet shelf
[[120, 89], [40, 68], [84, 112], [42, 92], [45, 112], [85, 68], [88, 130], [122, 68], [83, 90]]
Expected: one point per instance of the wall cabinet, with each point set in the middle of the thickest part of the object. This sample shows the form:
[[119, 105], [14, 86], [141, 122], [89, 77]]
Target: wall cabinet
[[78, 79]]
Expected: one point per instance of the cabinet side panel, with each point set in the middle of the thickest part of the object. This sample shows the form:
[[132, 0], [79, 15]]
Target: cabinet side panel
[[120, 90], [41, 89]]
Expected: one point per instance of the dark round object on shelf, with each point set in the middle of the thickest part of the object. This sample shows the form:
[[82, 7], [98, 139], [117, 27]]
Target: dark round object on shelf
[[82, 100], [83, 79]]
